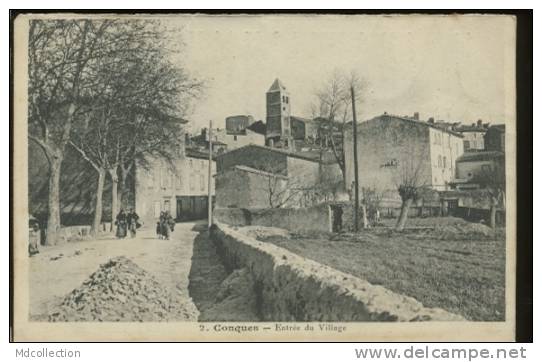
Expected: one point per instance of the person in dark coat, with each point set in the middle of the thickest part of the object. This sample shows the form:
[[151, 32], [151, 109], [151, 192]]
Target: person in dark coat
[[121, 222], [34, 237], [170, 221], [132, 220], [161, 226]]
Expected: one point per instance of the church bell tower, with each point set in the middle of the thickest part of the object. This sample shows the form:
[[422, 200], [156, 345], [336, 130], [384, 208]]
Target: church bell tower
[[278, 132]]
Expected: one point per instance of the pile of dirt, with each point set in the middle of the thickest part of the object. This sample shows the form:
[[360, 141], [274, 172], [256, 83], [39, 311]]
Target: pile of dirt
[[121, 291], [235, 300]]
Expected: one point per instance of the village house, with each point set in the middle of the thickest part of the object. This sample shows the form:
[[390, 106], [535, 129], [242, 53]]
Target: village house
[[261, 177], [474, 168], [240, 132], [473, 136], [391, 148], [180, 187], [495, 137]]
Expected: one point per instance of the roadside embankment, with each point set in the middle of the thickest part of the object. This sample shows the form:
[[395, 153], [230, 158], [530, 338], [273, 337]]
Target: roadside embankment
[[289, 287]]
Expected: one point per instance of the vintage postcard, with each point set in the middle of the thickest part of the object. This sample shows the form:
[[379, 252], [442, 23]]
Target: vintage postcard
[[264, 177]]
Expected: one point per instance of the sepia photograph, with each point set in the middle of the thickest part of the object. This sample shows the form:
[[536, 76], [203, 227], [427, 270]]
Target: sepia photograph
[[269, 177]]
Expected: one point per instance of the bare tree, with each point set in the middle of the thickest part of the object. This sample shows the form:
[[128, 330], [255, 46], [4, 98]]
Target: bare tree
[[60, 54], [492, 180], [410, 176], [333, 109], [134, 112]]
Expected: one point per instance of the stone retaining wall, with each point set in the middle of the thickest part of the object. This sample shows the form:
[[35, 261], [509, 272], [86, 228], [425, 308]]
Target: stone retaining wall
[[289, 287], [317, 218]]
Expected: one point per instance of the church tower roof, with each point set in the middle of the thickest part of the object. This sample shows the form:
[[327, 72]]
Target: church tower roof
[[276, 86]]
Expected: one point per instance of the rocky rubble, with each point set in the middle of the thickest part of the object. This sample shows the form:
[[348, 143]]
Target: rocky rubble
[[121, 291], [235, 300]]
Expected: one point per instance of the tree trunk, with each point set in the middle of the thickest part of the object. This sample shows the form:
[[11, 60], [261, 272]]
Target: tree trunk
[[124, 172], [364, 211], [99, 205], [53, 220], [405, 206], [114, 195], [121, 190], [492, 216]]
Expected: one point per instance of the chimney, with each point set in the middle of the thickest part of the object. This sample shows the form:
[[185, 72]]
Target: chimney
[[431, 120], [417, 116], [479, 123]]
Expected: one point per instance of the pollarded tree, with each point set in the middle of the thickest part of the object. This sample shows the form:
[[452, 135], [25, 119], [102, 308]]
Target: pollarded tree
[[332, 108], [410, 176]]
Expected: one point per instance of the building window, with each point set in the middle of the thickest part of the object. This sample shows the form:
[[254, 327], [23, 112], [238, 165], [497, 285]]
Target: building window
[[179, 181], [444, 162], [192, 181], [190, 163], [466, 145], [202, 183], [162, 177], [169, 178], [150, 177], [235, 138], [167, 205], [439, 161], [156, 208]]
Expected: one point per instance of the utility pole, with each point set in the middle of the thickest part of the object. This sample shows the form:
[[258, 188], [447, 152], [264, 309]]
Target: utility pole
[[209, 178], [356, 176]]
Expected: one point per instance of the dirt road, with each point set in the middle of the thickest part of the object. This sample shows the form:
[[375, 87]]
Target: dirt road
[[59, 269]]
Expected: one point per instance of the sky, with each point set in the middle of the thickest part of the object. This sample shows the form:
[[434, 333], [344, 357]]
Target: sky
[[455, 68]]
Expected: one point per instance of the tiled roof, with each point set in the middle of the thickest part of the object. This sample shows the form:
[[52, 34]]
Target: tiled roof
[[308, 156], [258, 127], [480, 156], [276, 86], [194, 153], [415, 121], [259, 172]]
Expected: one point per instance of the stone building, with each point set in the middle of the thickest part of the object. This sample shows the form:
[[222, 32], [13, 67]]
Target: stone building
[[304, 129], [180, 188], [278, 132], [495, 137], [249, 176], [474, 167], [473, 136], [238, 124], [224, 140], [392, 148]]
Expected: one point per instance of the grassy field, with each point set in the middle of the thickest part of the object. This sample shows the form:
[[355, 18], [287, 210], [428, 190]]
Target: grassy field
[[466, 277]]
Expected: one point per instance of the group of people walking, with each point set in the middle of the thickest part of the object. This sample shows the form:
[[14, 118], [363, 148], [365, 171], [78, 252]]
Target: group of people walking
[[165, 225], [127, 222]]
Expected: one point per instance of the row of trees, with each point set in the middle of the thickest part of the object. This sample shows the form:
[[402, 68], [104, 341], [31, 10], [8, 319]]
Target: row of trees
[[108, 89]]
